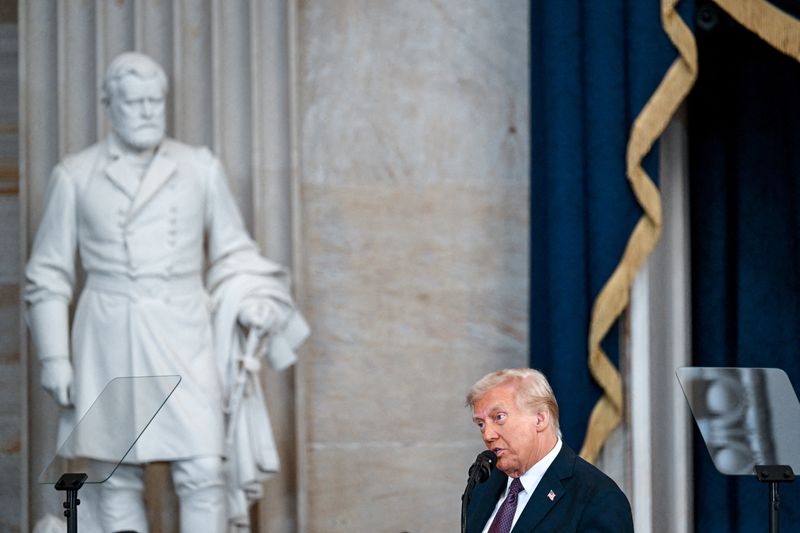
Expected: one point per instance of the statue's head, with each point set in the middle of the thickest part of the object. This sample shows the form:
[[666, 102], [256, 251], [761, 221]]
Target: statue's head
[[134, 92]]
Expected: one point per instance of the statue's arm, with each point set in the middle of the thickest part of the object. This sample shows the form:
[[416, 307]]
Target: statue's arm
[[225, 228], [49, 283], [233, 252]]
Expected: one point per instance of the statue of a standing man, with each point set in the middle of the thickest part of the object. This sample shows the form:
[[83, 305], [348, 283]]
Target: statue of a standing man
[[166, 254]]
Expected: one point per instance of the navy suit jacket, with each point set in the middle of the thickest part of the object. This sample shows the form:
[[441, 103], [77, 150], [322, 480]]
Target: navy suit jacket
[[586, 500]]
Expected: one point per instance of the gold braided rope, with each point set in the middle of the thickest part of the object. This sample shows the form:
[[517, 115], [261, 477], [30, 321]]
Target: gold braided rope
[[613, 298], [776, 27], [782, 32]]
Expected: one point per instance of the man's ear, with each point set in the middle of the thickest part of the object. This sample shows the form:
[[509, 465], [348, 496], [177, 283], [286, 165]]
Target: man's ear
[[542, 420]]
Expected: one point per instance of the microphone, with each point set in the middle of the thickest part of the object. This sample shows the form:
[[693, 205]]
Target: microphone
[[483, 466], [478, 473]]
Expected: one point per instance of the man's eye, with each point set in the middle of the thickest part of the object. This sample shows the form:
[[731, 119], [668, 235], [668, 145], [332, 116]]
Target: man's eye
[[479, 424], [500, 417]]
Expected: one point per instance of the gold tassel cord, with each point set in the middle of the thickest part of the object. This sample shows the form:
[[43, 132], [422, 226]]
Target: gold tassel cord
[[776, 27], [613, 298], [782, 32]]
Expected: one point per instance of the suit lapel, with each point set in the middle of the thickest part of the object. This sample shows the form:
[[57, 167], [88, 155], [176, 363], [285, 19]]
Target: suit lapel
[[549, 491], [161, 169], [119, 173]]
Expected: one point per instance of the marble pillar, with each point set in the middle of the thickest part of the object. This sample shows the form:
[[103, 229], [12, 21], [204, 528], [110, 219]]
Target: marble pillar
[[413, 140], [11, 371]]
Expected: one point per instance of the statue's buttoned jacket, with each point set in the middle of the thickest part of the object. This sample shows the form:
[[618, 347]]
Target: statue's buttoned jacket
[[143, 243]]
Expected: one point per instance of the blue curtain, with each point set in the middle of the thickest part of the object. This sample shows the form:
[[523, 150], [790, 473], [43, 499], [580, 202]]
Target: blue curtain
[[744, 142], [593, 67]]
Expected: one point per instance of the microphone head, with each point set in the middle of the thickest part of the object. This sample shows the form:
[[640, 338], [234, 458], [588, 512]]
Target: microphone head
[[489, 456], [483, 465]]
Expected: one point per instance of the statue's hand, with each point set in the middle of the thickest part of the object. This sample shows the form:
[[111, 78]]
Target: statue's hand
[[258, 314], [56, 379]]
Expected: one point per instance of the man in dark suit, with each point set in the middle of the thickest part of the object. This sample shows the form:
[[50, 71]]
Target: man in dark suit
[[539, 485]]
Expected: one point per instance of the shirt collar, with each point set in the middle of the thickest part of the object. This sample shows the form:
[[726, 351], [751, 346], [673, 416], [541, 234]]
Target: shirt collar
[[530, 479]]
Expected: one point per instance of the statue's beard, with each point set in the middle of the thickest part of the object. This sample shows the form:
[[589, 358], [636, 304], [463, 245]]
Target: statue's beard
[[144, 137]]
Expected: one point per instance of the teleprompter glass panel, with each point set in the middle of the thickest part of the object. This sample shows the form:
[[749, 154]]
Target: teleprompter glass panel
[[110, 427], [747, 416]]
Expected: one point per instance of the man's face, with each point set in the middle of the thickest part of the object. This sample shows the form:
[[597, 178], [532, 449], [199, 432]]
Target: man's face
[[137, 114], [519, 438]]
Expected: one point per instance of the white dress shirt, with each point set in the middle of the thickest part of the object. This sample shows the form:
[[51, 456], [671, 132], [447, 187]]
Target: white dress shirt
[[530, 480]]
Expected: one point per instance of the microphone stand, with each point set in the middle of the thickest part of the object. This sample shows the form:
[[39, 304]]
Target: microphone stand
[[465, 500], [478, 473]]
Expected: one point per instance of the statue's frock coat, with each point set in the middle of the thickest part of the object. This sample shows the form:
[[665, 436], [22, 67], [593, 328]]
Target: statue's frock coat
[[144, 310]]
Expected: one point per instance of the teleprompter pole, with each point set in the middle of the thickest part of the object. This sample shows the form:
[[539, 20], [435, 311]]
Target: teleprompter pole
[[71, 483], [774, 475]]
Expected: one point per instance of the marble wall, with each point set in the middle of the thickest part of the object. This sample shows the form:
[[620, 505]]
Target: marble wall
[[414, 150]]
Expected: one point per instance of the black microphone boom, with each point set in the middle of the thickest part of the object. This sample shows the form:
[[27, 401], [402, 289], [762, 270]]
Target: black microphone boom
[[483, 466], [478, 473]]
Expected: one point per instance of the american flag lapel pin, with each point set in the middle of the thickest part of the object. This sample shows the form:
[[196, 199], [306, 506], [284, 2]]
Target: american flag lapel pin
[[551, 495]]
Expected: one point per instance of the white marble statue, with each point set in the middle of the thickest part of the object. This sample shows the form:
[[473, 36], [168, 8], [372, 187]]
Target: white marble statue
[[173, 283]]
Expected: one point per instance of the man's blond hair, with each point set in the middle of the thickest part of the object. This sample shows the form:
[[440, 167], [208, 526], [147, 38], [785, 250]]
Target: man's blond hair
[[533, 391]]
